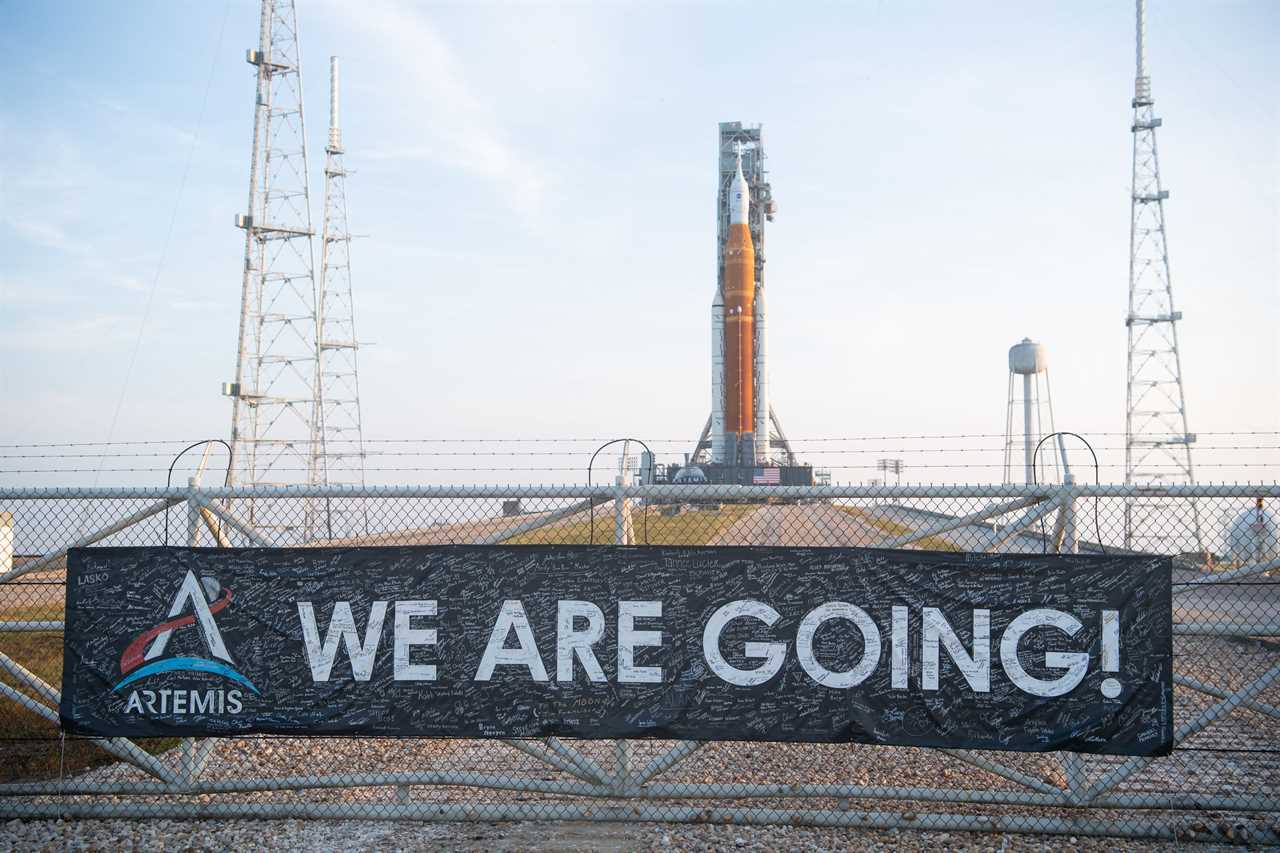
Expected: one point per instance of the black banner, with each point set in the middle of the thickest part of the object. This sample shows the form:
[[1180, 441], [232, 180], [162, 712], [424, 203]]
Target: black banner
[[1018, 652]]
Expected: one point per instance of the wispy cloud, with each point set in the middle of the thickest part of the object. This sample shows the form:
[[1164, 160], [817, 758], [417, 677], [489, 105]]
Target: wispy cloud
[[45, 234], [196, 305], [50, 185], [57, 333], [140, 120], [458, 126], [85, 254], [18, 294]]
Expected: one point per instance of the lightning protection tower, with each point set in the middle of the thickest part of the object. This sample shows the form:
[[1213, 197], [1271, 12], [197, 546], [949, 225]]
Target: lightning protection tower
[[342, 460], [1157, 439], [276, 408]]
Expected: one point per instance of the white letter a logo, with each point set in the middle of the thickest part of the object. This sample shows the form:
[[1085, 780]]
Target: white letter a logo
[[191, 591]]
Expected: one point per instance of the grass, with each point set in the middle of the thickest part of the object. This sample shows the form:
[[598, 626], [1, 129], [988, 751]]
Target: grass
[[49, 612], [34, 750], [33, 747], [697, 527], [894, 529]]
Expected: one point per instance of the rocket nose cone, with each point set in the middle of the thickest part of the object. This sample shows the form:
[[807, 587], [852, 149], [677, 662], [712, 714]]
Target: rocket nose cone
[[739, 179]]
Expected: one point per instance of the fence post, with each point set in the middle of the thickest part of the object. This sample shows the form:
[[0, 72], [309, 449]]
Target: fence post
[[623, 533], [193, 514], [622, 757], [1066, 535]]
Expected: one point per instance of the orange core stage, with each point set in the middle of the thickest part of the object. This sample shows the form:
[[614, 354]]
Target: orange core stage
[[739, 329]]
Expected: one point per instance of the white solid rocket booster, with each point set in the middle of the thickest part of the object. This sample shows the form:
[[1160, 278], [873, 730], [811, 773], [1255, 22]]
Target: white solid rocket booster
[[762, 383]]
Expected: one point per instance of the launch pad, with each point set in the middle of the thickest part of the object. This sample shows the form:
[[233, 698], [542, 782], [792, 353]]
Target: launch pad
[[715, 474]]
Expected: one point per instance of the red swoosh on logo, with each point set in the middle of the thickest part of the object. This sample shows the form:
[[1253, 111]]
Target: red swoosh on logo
[[132, 656]]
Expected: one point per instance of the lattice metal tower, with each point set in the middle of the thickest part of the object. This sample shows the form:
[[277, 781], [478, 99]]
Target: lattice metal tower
[[340, 426], [276, 423], [1157, 439]]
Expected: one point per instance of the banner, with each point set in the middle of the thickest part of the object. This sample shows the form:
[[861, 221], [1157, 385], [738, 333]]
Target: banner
[[914, 648]]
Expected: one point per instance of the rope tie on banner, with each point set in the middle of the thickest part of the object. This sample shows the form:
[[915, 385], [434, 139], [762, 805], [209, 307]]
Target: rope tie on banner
[[62, 765]]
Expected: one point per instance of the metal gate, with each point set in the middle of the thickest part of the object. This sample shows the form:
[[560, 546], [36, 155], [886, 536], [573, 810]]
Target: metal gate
[[1220, 782]]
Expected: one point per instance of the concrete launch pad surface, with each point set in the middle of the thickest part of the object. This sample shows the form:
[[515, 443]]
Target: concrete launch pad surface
[[800, 525]]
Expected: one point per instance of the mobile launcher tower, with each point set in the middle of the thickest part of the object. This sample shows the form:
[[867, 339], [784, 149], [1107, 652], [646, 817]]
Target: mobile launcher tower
[[743, 441]]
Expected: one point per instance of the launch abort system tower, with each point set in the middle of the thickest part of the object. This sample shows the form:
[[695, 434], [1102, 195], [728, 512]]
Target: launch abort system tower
[[741, 158]]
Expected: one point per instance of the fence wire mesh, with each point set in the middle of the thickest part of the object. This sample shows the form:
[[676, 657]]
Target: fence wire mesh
[[1220, 782]]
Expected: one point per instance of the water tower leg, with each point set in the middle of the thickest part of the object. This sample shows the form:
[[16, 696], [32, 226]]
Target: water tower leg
[[1028, 446]]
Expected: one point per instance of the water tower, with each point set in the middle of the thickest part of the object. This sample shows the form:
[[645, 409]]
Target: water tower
[[1030, 401]]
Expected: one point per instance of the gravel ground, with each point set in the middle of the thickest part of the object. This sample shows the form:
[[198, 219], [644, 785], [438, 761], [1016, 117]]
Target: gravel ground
[[163, 835], [1235, 757]]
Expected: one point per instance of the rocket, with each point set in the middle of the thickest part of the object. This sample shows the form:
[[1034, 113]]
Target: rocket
[[741, 417], [739, 328]]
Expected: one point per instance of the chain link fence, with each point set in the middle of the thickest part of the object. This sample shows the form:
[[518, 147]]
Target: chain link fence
[[1220, 782]]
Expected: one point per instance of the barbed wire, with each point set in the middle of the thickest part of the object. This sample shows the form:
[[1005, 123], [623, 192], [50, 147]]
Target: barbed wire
[[578, 469], [562, 440], [527, 453], [579, 452]]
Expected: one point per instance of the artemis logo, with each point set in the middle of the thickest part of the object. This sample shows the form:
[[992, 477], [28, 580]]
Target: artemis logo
[[195, 604]]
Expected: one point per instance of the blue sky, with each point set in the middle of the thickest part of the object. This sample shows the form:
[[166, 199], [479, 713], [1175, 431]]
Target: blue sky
[[536, 184]]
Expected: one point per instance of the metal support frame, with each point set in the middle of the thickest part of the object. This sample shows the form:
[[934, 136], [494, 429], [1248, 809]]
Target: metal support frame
[[1209, 690], [668, 760], [1202, 721], [240, 525], [949, 525], [570, 764], [651, 792], [121, 748], [1023, 522], [52, 558], [1003, 772]]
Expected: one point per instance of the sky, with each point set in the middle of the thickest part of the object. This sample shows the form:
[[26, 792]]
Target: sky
[[534, 186]]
